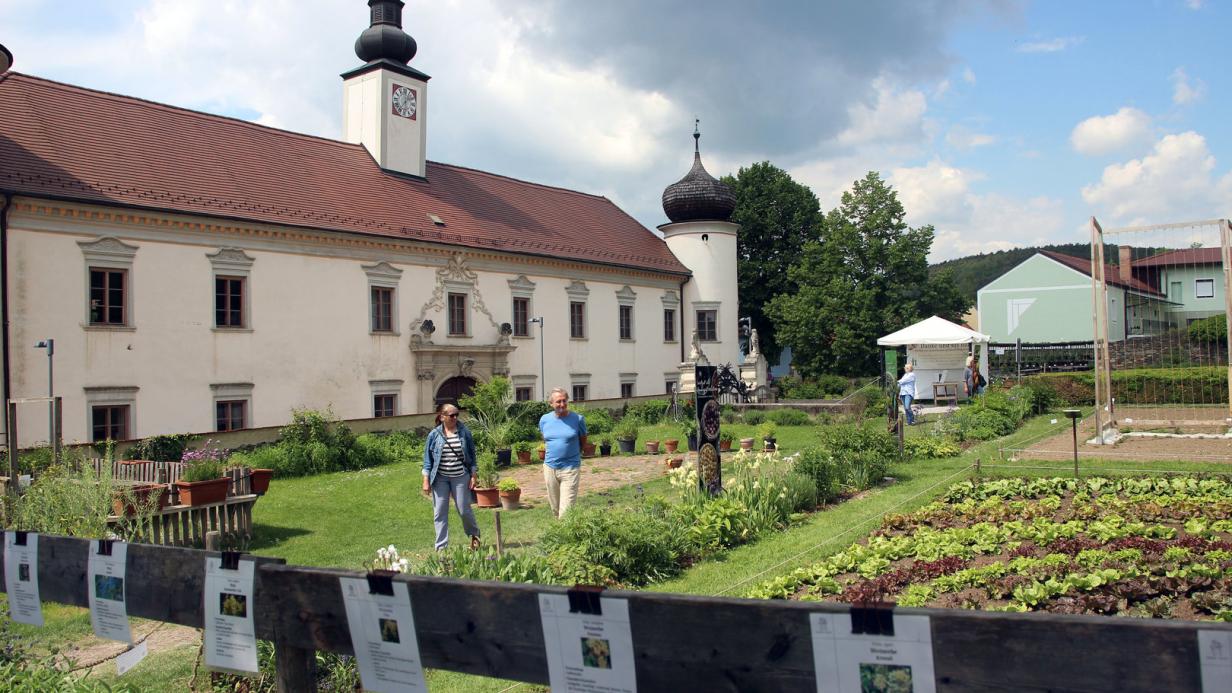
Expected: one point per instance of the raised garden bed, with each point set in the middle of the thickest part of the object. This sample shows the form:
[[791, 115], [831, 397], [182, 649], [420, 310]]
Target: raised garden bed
[[1147, 547]]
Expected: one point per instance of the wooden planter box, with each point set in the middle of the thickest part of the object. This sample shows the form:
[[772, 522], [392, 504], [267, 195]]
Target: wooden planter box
[[203, 492], [141, 495], [260, 480]]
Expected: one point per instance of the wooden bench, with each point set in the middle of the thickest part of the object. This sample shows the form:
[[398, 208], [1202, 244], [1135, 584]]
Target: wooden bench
[[945, 392], [184, 525]]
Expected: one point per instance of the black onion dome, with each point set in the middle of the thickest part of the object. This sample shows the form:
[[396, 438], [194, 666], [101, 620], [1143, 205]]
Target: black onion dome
[[384, 39], [698, 196]]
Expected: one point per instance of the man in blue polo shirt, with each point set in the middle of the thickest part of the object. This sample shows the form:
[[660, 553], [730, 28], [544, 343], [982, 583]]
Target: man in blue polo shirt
[[564, 434]]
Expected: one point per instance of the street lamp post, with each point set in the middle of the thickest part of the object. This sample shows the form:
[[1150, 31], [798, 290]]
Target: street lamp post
[[50, 346], [542, 382]]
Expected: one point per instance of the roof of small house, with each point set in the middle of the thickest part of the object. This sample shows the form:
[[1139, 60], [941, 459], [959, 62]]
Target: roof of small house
[[1112, 274], [66, 142], [1186, 256]]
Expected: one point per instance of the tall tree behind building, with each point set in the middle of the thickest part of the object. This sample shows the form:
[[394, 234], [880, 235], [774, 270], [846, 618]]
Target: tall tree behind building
[[866, 277], [777, 217]]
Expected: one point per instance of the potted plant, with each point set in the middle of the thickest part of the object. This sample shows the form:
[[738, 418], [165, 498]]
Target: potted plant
[[129, 500], [522, 449], [543, 451], [690, 432], [652, 447], [605, 445], [626, 434], [501, 434], [725, 440], [259, 480], [746, 444], [486, 493], [672, 462], [203, 482], [766, 432], [510, 493], [588, 450], [670, 445]]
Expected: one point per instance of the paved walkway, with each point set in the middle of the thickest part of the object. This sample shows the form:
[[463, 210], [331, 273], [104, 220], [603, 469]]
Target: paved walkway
[[598, 473]]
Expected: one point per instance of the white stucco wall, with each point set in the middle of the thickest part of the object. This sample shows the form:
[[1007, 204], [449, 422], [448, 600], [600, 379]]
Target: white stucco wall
[[307, 342], [708, 248]]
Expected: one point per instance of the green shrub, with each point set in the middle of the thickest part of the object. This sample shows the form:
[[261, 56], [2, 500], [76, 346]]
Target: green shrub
[[819, 466], [1137, 386], [64, 501], [977, 423], [649, 412], [930, 447], [822, 387], [569, 566], [485, 470], [730, 415], [754, 417], [204, 470], [627, 428], [30, 460], [789, 417], [863, 453], [163, 448], [1212, 329], [598, 420], [315, 443], [639, 547], [529, 411]]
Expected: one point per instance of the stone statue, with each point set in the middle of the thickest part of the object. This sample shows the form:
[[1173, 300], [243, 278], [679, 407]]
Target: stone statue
[[696, 351], [754, 343]]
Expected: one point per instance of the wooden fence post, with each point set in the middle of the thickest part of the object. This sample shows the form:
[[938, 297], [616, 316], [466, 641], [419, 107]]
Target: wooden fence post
[[296, 667]]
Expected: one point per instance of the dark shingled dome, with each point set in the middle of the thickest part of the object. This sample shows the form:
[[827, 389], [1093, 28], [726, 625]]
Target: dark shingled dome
[[384, 39], [698, 196]]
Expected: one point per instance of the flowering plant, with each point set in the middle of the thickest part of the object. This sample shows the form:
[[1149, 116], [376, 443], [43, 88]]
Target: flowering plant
[[210, 452], [387, 558]]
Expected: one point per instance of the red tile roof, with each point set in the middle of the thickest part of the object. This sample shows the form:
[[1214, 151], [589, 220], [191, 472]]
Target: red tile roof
[[1187, 256], [67, 142], [1111, 274]]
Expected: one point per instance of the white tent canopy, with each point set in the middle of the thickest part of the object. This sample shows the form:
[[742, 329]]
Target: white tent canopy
[[933, 330]]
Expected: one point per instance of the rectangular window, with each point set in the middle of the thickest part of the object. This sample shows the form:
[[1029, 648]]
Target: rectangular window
[[669, 324], [382, 309], [521, 317], [579, 393], [109, 422], [230, 415], [457, 314], [107, 289], [384, 405], [707, 330], [228, 301], [669, 387], [523, 394], [626, 322], [577, 320], [1204, 288], [626, 390]]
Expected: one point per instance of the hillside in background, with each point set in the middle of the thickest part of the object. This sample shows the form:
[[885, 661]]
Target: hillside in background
[[974, 271]]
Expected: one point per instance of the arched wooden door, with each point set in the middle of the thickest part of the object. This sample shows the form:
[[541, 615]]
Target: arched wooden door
[[452, 389]]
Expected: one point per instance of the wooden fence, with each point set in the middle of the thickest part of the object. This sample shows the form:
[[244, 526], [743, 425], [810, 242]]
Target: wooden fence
[[681, 643], [141, 470], [183, 525]]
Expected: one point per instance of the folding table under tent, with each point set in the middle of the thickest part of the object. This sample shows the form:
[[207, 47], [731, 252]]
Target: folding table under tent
[[938, 349]]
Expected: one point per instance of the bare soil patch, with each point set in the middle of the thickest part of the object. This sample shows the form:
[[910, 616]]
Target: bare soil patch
[[1060, 446]]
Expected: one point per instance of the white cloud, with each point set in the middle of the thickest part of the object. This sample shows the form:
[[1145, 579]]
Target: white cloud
[[1176, 181], [1194, 4], [1053, 45], [1185, 91], [897, 115], [1104, 134], [968, 75], [960, 137]]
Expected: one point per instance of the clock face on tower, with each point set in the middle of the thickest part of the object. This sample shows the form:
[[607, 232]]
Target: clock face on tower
[[405, 103]]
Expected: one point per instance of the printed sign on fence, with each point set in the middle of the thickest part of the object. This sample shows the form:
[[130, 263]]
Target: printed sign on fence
[[848, 662], [383, 637], [588, 653], [230, 632], [105, 579], [21, 578], [1215, 657]]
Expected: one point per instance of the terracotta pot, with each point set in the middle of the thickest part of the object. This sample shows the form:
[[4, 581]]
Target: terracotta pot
[[724, 446], [203, 492], [260, 480], [746, 443], [524, 457], [141, 495], [510, 499], [673, 462], [652, 447], [542, 453], [669, 446], [487, 497], [588, 450]]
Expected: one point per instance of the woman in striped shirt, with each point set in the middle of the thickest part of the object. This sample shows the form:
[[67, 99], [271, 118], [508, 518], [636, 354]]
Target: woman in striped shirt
[[449, 472]]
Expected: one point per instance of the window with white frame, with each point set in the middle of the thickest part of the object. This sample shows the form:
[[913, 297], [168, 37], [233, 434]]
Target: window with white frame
[[111, 412], [232, 406], [578, 295], [523, 394], [385, 397], [580, 386], [109, 264], [524, 387], [625, 300], [579, 393], [521, 291], [627, 385], [708, 325], [383, 279], [232, 268], [671, 303], [1204, 288], [457, 315]]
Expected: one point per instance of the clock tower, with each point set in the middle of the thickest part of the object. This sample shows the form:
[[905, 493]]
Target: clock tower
[[385, 99]]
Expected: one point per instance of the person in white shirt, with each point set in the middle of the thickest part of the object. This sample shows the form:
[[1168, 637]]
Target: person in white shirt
[[906, 391]]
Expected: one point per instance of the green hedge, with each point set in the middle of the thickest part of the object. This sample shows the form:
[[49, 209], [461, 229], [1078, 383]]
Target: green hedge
[[1137, 386]]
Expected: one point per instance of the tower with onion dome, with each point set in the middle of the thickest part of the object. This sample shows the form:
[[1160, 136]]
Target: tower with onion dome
[[385, 100], [703, 238]]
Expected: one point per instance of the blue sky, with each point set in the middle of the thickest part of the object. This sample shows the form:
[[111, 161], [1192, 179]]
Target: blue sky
[[1000, 123]]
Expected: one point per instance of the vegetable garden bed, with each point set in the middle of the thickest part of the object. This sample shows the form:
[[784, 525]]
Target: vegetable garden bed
[[1150, 547]]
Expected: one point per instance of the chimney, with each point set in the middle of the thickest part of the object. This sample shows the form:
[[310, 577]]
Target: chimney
[[1126, 264]]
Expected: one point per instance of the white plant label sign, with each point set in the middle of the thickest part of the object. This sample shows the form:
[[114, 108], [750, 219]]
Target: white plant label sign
[[844, 659], [106, 581], [588, 653], [383, 636], [21, 579], [230, 630], [1215, 656]]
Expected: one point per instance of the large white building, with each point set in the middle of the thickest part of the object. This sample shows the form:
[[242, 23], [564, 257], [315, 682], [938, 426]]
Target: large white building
[[201, 273]]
